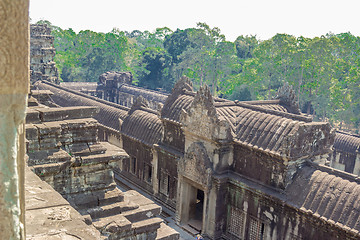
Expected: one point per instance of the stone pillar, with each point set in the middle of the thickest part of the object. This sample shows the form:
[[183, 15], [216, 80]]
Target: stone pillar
[[14, 87], [357, 164], [155, 168], [215, 216]]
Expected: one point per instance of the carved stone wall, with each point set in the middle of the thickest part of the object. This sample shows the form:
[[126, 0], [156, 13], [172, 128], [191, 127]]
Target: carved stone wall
[[196, 165], [14, 86]]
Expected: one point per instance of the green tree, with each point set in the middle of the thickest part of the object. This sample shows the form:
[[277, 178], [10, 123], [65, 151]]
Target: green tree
[[156, 62]]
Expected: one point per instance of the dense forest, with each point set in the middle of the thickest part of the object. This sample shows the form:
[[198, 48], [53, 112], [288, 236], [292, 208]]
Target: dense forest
[[324, 71]]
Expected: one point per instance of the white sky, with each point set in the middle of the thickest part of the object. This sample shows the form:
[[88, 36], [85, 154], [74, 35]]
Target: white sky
[[263, 18]]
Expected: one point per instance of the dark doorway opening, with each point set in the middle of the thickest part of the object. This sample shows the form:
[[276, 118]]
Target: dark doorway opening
[[196, 211]]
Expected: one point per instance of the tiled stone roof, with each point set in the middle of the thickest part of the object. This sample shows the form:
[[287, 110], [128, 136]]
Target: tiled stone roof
[[108, 115], [345, 142], [80, 86], [270, 104], [327, 195], [276, 132], [263, 125], [150, 95], [173, 107], [144, 126]]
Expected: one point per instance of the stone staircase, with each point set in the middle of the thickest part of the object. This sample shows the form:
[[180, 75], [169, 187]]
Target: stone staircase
[[64, 151]]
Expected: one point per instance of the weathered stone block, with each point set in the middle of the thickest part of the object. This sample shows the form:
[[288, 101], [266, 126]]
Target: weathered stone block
[[32, 116], [32, 145], [58, 114], [48, 129], [31, 132], [143, 212], [147, 225], [49, 169], [49, 143], [48, 156], [118, 224]]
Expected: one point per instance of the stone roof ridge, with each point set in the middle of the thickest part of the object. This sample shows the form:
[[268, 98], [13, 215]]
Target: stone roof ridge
[[183, 84], [336, 172], [298, 117], [139, 103], [326, 195], [347, 133], [85, 95], [287, 97], [144, 89], [262, 102], [347, 142]]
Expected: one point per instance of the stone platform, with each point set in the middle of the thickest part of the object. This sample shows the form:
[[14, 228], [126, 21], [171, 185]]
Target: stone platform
[[64, 152], [49, 216]]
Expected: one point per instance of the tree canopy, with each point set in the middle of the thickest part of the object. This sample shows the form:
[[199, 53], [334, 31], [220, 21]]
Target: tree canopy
[[324, 71]]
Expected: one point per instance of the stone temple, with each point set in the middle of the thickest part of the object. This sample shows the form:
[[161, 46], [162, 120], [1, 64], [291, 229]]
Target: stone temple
[[225, 169], [230, 170]]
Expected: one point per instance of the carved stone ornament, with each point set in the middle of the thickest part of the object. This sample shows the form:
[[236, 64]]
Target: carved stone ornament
[[196, 165], [287, 97], [201, 118], [184, 83], [140, 102], [120, 77]]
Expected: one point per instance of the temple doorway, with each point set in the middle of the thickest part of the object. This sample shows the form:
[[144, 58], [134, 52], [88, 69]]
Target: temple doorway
[[196, 211]]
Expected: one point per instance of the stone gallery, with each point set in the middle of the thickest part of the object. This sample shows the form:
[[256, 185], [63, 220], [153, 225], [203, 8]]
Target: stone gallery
[[225, 169], [230, 170]]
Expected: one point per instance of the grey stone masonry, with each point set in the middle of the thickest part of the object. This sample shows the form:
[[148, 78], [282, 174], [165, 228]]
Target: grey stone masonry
[[42, 52], [64, 151]]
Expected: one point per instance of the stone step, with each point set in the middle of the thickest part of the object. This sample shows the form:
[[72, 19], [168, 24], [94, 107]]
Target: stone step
[[41, 95], [32, 102], [111, 209], [190, 230], [96, 199], [32, 116], [112, 196], [51, 168], [136, 197], [56, 114], [74, 133], [195, 224], [42, 157], [103, 158], [149, 226], [119, 227], [166, 233], [112, 224], [84, 149], [143, 212]]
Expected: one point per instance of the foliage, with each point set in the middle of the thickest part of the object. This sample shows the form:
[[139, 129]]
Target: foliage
[[156, 62], [324, 71]]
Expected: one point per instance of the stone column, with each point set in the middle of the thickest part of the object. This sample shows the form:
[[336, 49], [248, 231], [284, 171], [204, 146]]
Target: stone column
[[14, 87], [155, 168]]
